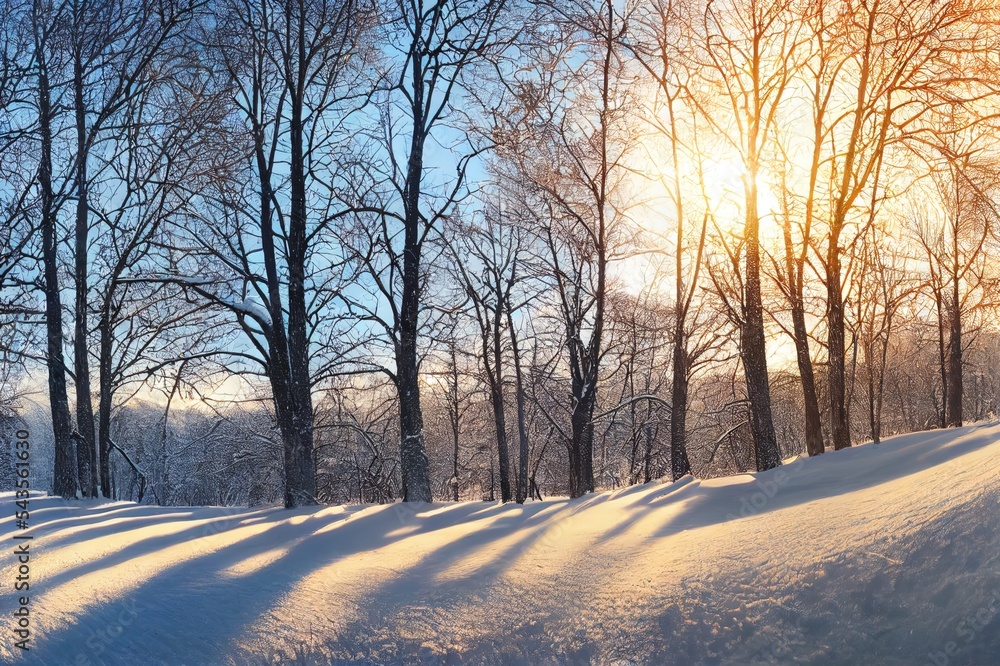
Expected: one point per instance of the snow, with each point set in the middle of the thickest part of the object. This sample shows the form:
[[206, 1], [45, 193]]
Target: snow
[[248, 306], [884, 554], [253, 308]]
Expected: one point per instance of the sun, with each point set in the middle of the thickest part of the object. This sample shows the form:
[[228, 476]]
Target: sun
[[707, 181], [724, 181]]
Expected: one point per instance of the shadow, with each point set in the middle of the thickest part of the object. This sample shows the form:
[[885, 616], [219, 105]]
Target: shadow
[[714, 501], [314, 542], [894, 599], [195, 611], [118, 522], [434, 589], [134, 550], [59, 515]]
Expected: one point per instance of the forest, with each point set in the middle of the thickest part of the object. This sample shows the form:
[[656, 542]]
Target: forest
[[351, 251]]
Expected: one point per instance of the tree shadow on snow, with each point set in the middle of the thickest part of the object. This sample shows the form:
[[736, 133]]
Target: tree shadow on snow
[[168, 624], [457, 569], [804, 480]]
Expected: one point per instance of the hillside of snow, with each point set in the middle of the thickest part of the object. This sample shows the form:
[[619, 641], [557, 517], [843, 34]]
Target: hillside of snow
[[885, 554]]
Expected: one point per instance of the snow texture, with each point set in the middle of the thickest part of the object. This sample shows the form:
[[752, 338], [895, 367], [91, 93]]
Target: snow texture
[[884, 554], [250, 307]]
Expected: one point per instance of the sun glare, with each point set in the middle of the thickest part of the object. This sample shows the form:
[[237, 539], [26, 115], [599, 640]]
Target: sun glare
[[724, 181]]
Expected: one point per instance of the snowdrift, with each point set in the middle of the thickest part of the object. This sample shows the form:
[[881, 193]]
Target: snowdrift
[[885, 554]]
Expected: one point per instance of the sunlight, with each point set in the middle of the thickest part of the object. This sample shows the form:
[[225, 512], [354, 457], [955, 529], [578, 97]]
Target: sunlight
[[624, 269], [257, 561], [724, 188], [720, 189]]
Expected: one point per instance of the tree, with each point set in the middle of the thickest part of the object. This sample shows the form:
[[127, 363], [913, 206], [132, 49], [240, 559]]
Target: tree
[[112, 45], [881, 287], [494, 254], [896, 61], [296, 73], [564, 147], [455, 392], [752, 51], [665, 47], [956, 236], [144, 328], [432, 49], [46, 23], [790, 276], [17, 229], [521, 400], [819, 71], [639, 346]]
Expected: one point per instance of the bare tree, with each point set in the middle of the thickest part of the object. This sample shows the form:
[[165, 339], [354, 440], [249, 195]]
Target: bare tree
[[640, 347], [112, 45], [881, 286], [956, 237], [432, 49], [752, 50], [144, 327], [565, 147], [492, 269], [17, 228], [456, 386], [665, 47], [790, 276], [819, 70], [896, 59], [296, 73], [47, 22]]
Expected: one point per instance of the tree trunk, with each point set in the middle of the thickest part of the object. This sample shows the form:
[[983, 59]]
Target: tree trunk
[[455, 423], [573, 458], [874, 421], [64, 482], [300, 472], [813, 423], [753, 347], [503, 454], [795, 262], [582, 447], [415, 467], [883, 354], [494, 375], [106, 396], [647, 461], [413, 456], [942, 360], [628, 389], [835, 346], [953, 403], [522, 419], [454, 461], [86, 451], [679, 463], [587, 358], [839, 417], [300, 480]]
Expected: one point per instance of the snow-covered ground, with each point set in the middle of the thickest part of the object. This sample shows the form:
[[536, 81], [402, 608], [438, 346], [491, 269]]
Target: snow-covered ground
[[875, 555]]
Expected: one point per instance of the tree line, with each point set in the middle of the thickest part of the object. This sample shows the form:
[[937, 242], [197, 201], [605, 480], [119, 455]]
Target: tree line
[[355, 250]]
